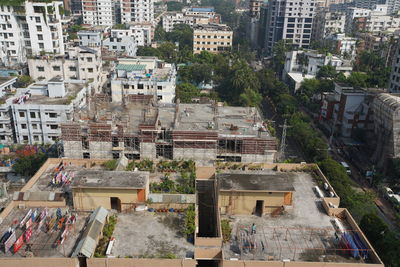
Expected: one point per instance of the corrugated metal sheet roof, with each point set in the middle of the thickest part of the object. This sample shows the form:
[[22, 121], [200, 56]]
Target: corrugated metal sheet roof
[[87, 245], [131, 67]]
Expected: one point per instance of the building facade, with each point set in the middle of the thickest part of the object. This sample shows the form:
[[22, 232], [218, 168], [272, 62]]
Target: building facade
[[31, 29], [291, 21], [394, 82], [143, 76], [137, 11], [213, 38], [80, 63], [328, 23], [34, 114], [89, 38], [99, 12]]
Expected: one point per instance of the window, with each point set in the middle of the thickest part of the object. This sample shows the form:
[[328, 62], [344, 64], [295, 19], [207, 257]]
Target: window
[[22, 114], [25, 138], [37, 19], [86, 155], [72, 68], [126, 86], [53, 126], [56, 68], [34, 126], [41, 45], [39, 28], [1, 126], [40, 37], [140, 86], [36, 138], [90, 70], [89, 59], [2, 137], [41, 69], [23, 126], [159, 87], [53, 115], [159, 97]]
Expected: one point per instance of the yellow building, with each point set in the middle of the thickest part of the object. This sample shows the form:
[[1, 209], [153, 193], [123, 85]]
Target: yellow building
[[213, 38], [119, 190], [258, 194]]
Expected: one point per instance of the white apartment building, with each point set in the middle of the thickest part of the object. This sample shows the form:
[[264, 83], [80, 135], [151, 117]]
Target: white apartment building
[[290, 20], [99, 12], [34, 114], [79, 63], [376, 23], [327, 23], [214, 38], [190, 16], [142, 33], [143, 76], [301, 64], [89, 38], [122, 46], [31, 29], [137, 11], [345, 46]]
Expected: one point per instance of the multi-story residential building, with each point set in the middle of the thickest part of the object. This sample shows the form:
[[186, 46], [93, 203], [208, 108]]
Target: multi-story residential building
[[327, 23], [347, 109], [79, 63], [31, 29], [214, 38], [99, 12], [89, 38], [137, 11], [142, 33], [394, 84], [300, 65], [377, 23], [143, 76], [188, 17], [354, 13], [345, 46], [255, 15], [393, 6], [34, 114], [122, 46], [290, 20]]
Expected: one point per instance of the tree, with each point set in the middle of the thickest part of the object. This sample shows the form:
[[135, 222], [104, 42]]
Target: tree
[[23, 81], [279, 55], [186, 91], [148, 51], [160, 34], [29, 165], [168, 52], [373, 227], [358, 79], [174, 6], [182, 34], [250, 98], [327, 71]]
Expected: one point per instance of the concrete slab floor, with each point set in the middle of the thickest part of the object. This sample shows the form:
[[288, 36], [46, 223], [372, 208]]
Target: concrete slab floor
[[303, 233], [148, 234]]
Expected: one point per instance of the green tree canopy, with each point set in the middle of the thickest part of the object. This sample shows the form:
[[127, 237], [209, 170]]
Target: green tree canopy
[[29, 165], [186, 91]]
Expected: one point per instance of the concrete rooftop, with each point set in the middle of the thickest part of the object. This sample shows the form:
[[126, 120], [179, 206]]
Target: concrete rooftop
[[276, 182], [113, 179], [303, 233], [150, 235], [42, 241]]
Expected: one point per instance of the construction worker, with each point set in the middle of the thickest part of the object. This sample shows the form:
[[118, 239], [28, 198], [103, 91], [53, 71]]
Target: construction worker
[[253, 229]]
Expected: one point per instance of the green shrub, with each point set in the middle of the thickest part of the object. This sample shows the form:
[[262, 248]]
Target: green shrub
[[110, 165], [226, 230], [189, 226]]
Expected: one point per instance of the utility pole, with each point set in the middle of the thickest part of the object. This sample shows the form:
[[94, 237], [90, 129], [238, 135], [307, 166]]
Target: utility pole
[[282, 147]]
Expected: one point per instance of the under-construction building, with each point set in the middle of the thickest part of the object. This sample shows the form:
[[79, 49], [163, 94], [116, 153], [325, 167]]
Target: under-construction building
[[140, 128]]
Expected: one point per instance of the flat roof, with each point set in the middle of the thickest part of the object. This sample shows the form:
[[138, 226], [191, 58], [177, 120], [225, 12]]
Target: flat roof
[[131, 67], [114, 179], [303, 232], [277, 182]]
